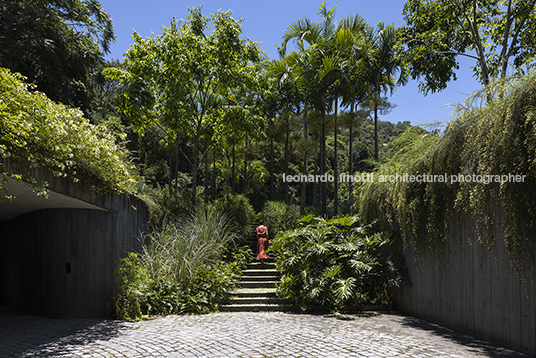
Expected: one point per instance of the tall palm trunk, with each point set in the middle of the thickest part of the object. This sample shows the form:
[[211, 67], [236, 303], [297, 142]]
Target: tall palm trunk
[[351, 154], [315, 183], [272, 189], [323, 185], [303, 188], [376, 104], [246, 167], [286, 157], [335, 163]]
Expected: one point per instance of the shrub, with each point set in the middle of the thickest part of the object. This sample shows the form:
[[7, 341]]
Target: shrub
[[336, 264], [239, 209], [132, 278], [186, 267], [165, 201], [279, 217]]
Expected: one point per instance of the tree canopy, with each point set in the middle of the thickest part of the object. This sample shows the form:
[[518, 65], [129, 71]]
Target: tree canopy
[[56, 44], [191, 80], [498, 34], [34, 129]]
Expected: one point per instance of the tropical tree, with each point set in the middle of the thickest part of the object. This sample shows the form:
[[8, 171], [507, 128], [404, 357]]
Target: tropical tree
[[286, 81], [318, 35], [497, 34], [382, 60], [188, 78], [303, 63], [58, 45], [336, 57]]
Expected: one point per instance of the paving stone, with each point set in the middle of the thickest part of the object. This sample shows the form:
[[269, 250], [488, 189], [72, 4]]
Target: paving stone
[[240, 334]]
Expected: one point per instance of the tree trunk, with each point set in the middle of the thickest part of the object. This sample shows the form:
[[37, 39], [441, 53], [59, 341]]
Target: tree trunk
[[336, 169], [303, 188], [376, 104], [323, 158], [285, 183], [272, 191], [246, 166], [315, 183], [194, 171], [351, 155], [207, 176]]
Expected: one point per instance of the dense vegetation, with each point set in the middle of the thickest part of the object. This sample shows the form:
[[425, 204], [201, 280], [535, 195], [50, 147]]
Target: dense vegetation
[[57, 45], [188, 266], [198, 120], [36, 131], [337, 264], [493, 145]]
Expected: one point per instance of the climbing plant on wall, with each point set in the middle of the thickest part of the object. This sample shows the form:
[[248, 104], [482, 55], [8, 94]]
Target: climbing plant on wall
[[38, 131], [493, 147]]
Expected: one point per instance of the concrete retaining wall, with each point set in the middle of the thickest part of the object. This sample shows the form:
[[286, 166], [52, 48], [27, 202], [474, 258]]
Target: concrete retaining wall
[[59, 263], [473, 291]]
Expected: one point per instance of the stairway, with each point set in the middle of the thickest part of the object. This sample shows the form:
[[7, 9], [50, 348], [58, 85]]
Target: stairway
[[256, 290]]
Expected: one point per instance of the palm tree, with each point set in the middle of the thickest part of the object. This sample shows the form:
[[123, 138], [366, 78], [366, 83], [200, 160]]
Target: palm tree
[[340, 73], [318, 35], [303, 63], [382, 60], [287, 85]]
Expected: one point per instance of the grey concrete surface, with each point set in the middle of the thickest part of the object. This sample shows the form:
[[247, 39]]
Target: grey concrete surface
[[238, 334]]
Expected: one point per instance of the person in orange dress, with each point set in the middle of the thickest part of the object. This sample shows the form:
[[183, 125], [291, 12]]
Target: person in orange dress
[[262, 241]]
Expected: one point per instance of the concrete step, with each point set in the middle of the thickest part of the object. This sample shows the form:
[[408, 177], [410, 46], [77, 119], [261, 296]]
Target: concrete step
[[257, 284], [257, 308], [258, 278], [254, 292], [257, 290], [255, 300], [260, 266], [260, 272]]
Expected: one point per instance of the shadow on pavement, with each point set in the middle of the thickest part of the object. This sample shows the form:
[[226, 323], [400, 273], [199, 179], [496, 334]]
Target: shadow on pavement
[[471, 343], [23, 335]]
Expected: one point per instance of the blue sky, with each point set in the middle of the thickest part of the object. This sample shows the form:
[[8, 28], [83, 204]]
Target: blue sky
[[265, 21]]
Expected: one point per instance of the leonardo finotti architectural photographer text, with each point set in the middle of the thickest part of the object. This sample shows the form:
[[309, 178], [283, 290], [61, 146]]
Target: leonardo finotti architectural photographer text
[[407, 178]]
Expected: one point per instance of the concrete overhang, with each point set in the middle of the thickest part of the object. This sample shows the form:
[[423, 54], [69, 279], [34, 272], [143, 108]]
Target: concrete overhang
[[26, 200]]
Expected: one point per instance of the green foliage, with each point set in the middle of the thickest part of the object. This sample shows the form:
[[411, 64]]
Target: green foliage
[[167, 201], [188, 266], [238, 209], [241, 255], [35, 130], [55, 44], [336, 264], [174, 251], [193, 79], [207, 287], [487, 141], [279, 217], [492, 33], [132, 278]]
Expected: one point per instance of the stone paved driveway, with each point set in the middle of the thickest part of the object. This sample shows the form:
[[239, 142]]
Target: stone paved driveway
[[261, 334]]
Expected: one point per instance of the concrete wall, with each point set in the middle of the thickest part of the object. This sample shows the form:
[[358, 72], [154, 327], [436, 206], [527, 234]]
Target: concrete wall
[[59, 263], [472, 290]]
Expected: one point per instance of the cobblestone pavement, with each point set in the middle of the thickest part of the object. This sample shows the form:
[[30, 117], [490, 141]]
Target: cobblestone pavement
[[251, 334]]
